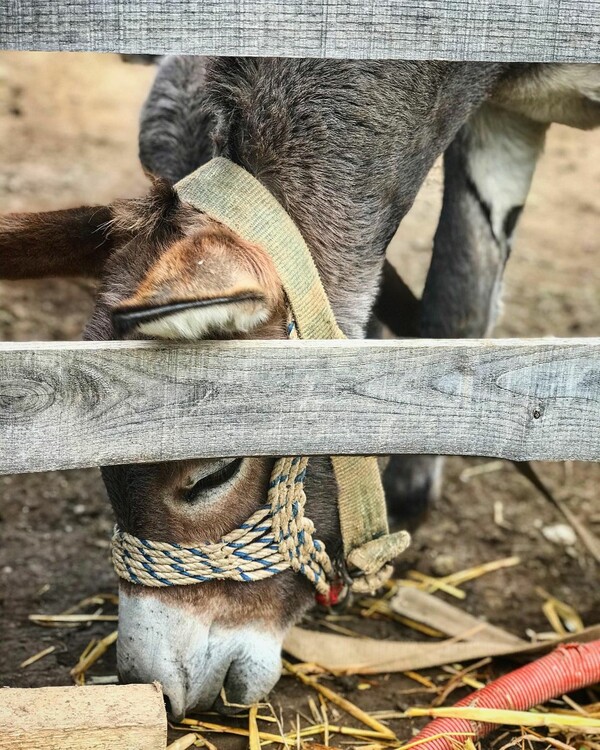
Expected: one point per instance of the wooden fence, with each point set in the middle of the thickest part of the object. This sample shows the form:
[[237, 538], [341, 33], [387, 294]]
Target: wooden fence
[[72, 405], [502, 30]]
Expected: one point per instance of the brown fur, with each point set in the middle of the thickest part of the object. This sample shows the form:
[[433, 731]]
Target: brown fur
[[170, 517], [234, 604], [74, 242], [154, 262], [210, 262], [163, 267], [149, 250]]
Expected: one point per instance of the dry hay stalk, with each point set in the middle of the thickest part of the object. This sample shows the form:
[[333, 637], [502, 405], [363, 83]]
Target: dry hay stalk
[[37, 657], [183, 742], [342, 703], [91, 657], [511, 718]]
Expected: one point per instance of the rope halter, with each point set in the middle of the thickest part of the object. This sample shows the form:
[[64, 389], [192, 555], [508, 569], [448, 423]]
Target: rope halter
[[278, 536], [275, 538]]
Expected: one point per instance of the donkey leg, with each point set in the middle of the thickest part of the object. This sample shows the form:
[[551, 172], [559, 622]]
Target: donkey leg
[[412, 484], [487, 173]]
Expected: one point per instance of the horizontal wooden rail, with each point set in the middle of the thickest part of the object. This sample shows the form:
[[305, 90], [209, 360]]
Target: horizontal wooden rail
[[73, 405], [502, 30]]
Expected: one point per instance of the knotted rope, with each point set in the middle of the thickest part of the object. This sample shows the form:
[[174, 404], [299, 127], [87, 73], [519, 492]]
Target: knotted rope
[[275, 538], [278, 536]]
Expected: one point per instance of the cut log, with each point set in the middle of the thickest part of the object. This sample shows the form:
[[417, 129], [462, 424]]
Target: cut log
[[107, 717]]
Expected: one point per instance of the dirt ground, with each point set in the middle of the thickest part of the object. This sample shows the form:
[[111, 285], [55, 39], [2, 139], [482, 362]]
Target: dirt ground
[[68, 129]]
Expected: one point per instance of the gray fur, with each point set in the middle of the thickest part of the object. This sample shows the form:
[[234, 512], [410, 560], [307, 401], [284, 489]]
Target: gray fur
[[487, 172], [473, 241], [344, 145], [176, 126]]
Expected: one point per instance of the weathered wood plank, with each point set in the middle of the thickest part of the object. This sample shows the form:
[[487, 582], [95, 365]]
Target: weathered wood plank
[[115, 717], [74, 405], [507, 30]]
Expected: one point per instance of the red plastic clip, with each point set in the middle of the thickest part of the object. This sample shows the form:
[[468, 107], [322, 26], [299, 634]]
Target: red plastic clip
[[337, 594]]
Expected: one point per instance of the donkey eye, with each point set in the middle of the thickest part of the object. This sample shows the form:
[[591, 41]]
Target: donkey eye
[[209, 482]]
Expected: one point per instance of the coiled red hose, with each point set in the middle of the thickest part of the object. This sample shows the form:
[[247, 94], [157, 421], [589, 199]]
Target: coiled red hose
[[571, 666]]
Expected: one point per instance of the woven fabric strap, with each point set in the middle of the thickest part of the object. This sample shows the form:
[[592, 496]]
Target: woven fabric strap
[[232, 196]]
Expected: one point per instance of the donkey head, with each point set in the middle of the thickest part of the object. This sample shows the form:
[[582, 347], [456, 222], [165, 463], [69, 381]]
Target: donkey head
[[170, 272]]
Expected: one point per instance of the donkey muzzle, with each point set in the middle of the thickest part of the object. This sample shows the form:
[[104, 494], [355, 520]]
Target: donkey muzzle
[[193, 657]]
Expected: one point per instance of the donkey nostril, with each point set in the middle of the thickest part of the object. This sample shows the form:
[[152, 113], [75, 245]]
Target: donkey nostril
[[175, 708]]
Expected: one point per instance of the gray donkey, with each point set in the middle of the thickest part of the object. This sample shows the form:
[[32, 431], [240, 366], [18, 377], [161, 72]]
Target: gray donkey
[[344, 146], [487, 173]]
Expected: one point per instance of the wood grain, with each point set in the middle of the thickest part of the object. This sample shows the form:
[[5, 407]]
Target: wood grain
[[86, 404], [507, 30], [115, 717]]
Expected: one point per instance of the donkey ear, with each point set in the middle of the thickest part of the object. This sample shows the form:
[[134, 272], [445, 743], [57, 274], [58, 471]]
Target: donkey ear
[[74, 242], [211, 283]]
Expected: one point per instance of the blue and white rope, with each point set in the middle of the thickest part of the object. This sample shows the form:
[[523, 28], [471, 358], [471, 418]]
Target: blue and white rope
[[276, 538]]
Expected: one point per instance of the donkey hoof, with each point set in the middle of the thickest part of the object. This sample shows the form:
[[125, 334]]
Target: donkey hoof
[[412, 485]]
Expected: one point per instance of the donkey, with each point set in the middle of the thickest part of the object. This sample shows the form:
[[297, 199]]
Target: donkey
[[344, 146]]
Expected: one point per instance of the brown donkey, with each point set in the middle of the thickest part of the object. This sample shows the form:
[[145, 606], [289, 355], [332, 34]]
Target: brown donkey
[[344, 146]]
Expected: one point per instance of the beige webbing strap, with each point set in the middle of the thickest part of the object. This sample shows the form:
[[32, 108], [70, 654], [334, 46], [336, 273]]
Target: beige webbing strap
[[234, 197], [231, 195]]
